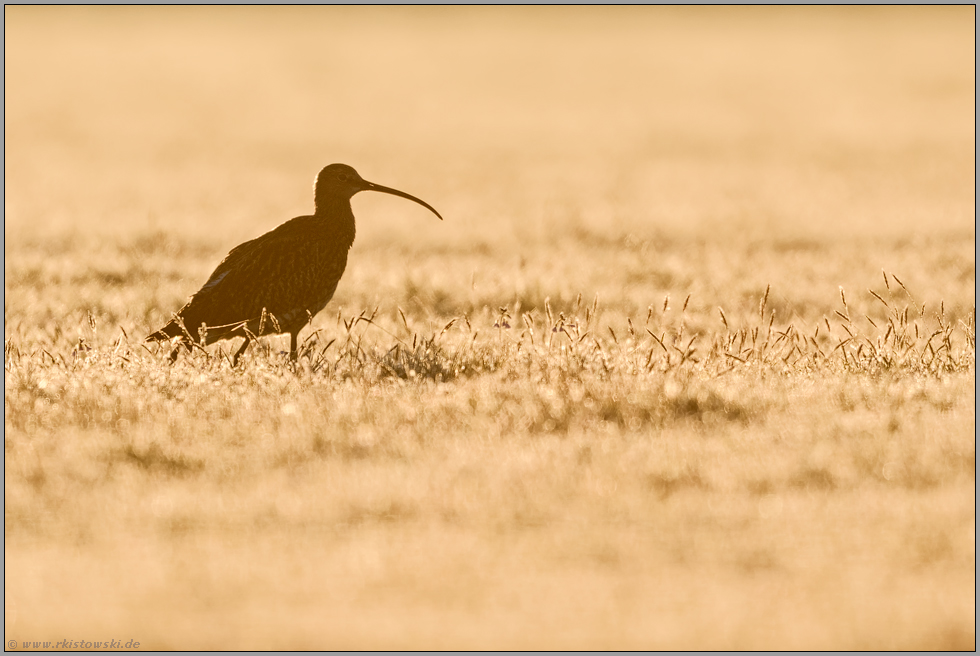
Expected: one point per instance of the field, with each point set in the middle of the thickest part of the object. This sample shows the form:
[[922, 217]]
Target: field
[[690, 363]]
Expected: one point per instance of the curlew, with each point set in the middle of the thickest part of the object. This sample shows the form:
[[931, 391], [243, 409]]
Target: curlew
[[277, 283]]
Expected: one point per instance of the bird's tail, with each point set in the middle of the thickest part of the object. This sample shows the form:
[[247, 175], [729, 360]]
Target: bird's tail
[[168, 332]]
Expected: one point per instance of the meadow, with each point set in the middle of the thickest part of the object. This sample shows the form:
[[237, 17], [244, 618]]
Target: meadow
[[690, 363]]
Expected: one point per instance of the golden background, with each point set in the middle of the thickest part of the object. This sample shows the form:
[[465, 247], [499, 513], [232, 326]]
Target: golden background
[[626, 152]]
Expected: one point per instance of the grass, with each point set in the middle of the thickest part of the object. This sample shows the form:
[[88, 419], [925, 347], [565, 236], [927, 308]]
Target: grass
[[696, 378]]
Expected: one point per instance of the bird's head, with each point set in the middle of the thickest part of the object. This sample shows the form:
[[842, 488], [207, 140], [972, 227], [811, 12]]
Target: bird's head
[[340, 182]]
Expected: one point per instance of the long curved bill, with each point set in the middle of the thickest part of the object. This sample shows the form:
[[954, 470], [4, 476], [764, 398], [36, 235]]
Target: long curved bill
[[370, 186]]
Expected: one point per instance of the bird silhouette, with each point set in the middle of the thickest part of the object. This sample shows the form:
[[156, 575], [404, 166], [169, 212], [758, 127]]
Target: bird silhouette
[[276, 283]]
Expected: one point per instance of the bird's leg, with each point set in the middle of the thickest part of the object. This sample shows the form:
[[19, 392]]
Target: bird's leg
[[292, 345], [238, 353]]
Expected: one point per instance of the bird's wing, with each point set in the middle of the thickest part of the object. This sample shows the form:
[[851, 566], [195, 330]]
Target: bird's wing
[[236, 255]]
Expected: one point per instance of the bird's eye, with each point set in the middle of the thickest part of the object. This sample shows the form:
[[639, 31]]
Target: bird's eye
[[344, 177]]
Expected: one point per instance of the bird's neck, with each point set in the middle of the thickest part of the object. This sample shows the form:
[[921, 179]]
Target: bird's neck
[[337, 213], [327, 204]]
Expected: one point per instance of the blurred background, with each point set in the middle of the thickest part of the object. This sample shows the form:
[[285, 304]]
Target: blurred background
[[514, 122], [619, 153]]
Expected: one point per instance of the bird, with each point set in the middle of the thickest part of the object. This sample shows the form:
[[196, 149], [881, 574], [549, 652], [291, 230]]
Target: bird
[[278, 282]]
